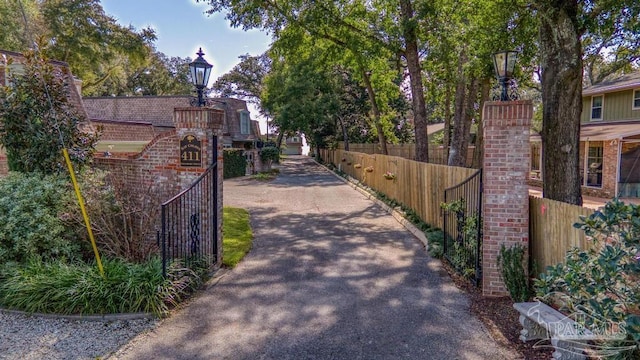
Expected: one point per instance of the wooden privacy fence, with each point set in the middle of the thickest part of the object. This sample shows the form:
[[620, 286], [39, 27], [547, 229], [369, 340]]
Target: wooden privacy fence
[[417, 185], [437, 154], [551, 231]]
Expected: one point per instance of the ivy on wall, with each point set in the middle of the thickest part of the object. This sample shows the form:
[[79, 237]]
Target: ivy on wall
[[235, 164]]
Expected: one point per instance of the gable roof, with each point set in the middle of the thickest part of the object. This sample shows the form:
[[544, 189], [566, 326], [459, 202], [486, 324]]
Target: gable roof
[[625, 82], [74, 89]]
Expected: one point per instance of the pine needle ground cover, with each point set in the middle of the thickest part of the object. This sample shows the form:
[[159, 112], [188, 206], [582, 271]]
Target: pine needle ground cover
[[238, 236]]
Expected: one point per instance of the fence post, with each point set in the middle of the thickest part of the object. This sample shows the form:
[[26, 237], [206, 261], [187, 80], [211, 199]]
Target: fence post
[[506, 194]]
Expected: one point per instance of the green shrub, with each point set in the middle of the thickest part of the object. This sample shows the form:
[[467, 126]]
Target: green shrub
[[602, 281], [511, 263], [78, 288], [464, 250], [268, 155], [34, 118], [30, 222], [235, 164]]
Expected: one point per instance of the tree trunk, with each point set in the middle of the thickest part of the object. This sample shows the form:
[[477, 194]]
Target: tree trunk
[[457, 142], [561, 63], [478, 154], [415, 77], [382, 139], [462, 132], [447, 122], [345, 136], [279, 140]]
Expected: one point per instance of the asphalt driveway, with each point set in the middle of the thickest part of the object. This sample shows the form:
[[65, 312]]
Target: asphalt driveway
[[330, 276]]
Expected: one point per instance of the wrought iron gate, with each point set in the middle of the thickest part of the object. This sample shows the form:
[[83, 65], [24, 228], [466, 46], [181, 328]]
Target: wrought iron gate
[[189, 221], [463, 227]]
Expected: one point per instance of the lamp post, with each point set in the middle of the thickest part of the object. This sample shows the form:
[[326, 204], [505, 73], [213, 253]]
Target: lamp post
[[503, 63], [200, 71]]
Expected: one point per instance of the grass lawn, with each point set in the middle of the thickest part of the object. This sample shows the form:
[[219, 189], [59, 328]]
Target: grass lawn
[[237, 235]]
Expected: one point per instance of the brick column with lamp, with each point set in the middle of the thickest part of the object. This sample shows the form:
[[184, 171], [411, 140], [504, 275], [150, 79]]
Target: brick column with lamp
[[506, 165]]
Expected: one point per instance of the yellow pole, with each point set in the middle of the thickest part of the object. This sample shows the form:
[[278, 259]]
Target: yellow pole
[[84, 211]]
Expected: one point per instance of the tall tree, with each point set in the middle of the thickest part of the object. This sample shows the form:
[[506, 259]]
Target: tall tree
[[561, 61], [564, 24], [91, 41], [21, 22], [245, 80], [366, 29], [162, 75]]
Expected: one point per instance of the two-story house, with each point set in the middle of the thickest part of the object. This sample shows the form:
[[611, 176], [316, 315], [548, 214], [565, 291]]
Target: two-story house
[[293, 145], [609, 139]]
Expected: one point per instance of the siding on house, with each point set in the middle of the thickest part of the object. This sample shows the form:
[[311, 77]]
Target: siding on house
[[616, 106]]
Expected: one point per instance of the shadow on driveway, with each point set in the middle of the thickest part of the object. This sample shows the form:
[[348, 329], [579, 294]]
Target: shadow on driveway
[[330, 276]]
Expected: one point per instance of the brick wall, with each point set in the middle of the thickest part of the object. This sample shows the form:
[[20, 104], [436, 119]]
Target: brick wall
[[158, 166], [609, 172], [125, 131], [505, 190]]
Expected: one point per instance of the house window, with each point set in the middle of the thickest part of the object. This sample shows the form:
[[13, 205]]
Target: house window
[[596, 107], [594, 164], [244, 123], [12, 70], [636, 99]]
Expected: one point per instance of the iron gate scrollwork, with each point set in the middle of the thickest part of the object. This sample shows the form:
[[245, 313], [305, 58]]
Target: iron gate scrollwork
[[462, 245], [190, 220]]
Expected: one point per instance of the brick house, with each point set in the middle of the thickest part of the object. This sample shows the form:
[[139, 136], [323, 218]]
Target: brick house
[[609, 139], [141, 118]]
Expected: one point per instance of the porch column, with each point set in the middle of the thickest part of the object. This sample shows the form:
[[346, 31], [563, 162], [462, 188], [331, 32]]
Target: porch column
[[506, 164]]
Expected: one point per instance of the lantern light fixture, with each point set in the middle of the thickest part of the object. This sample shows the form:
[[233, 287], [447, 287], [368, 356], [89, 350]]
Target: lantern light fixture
[[200, 70]]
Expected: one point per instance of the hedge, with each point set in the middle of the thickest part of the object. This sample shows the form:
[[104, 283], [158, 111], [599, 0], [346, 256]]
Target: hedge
[[235, 164]]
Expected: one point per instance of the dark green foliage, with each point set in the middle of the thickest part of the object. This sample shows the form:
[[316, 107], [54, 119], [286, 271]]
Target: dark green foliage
[[511, 263], [602, 280], [462, 254], [235, 164], [78, 288], [30, 222], [37, 120], [269, 154]]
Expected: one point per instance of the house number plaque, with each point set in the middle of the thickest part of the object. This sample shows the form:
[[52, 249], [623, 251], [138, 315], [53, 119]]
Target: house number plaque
[[190, 151]]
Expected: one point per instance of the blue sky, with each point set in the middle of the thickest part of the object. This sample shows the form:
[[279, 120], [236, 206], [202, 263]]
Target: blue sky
[[182, 27]]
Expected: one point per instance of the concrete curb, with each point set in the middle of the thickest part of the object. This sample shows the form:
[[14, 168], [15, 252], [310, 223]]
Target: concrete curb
[[395, 213], [105, 317]]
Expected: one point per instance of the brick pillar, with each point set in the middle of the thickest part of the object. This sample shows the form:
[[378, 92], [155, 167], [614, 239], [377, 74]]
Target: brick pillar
[[505, 191], [202, 123]]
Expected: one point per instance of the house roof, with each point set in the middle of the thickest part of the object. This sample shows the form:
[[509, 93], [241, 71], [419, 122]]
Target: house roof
[[158, 111], [625, 82], [604, 131], [434, 128], [74, 96], [609, 131]]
